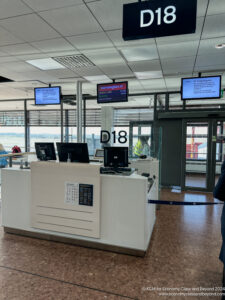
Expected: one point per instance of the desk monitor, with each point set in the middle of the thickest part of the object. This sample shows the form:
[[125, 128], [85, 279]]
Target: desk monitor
[[116, 157], [99, 154], [45, 151], [74, 152]]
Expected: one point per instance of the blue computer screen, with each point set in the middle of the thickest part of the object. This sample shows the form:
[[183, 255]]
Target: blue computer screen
[[46, 96], [201, 88]]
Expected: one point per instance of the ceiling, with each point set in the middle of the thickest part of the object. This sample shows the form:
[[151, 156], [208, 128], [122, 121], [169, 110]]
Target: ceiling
[[36, 29]]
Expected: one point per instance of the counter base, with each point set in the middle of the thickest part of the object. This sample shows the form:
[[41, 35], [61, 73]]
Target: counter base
[[75, 242]]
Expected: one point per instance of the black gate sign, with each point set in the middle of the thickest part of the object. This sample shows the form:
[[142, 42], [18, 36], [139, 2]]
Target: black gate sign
[[157, 18]]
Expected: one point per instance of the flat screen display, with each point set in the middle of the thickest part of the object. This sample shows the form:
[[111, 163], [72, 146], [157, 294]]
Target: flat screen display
[[201, 88], [47, 96], [112, 92]]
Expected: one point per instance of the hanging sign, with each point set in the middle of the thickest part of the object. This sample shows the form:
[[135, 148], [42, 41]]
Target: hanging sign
[[157, 18]]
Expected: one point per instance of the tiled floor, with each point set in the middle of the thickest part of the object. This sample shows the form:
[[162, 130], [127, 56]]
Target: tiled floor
[[183, 253]]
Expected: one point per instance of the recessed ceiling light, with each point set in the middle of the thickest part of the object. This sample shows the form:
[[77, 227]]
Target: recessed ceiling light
[[149, 74], [45, 64], [220, 46], [96, 79]]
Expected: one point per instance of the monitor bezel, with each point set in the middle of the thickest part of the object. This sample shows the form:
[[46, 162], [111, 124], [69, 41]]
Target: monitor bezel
[[119, 101], [46, 143], [58, 144], [106, 148], [187, 99], [52, 87]]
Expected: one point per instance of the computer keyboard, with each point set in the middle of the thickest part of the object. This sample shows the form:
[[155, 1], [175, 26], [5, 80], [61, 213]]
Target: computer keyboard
[[116, 171]]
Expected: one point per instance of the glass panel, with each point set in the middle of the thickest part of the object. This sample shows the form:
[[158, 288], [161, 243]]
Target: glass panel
[[12, 136], [93, 139], [141, 140], [44, 134], [146, 130], [196, 155], [72, 135], [135, 130]]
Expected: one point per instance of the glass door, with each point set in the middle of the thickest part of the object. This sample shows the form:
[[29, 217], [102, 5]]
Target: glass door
[[219, 139], [197, 151]]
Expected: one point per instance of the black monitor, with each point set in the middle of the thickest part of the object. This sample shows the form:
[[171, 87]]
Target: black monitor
[[116, 157], [112, 92], [197, 88], [45, 151], [73, 152]]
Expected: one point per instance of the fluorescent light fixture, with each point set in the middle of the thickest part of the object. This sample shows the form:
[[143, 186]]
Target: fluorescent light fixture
[[220, 46], [45, 64], [149, 74], [96, 79]]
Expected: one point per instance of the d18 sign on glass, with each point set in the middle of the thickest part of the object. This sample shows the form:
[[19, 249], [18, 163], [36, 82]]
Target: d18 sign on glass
[[156, 18]]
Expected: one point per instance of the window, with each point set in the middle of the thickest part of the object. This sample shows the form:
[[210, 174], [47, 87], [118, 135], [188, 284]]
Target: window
[[44, 134], [12, 136]]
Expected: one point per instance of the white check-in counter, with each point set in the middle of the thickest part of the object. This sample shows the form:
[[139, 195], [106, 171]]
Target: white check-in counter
[[73, 203]]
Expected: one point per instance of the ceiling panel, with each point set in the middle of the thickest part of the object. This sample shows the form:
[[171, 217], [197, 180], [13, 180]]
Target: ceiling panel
[[214, 26], [62, 73], [143, 66], [37, 75], [26, 57], [19, 49], [104, 56], [92, 71], [75, 20], [91, 41], [12, 8], [59, 44], [178, 65], [39, 5], [153, 84], [140, 53], [18, 65], [202, 6], [216, 7], [211, 59], [109, 13], [175, 82], [208, 46], [6, 38], [208, 69], [117, 71], [117, 39], [29, 28], [178, 49], [185, 37]]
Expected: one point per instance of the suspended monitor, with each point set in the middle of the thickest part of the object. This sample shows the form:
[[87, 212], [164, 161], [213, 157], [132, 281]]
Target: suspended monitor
[[73, 152], [47, 95], [201, 88], [45, 151], [112, 92], [116, 157]]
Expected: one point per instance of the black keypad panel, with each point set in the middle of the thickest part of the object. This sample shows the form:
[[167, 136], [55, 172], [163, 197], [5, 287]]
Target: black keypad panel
[[86, 194]]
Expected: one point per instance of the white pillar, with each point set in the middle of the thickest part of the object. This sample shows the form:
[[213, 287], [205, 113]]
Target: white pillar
[[79, 112], [107, 120]]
